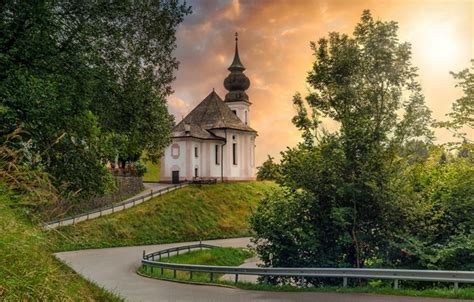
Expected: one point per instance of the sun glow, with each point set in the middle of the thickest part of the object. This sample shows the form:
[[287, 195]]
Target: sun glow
[[439, 43]]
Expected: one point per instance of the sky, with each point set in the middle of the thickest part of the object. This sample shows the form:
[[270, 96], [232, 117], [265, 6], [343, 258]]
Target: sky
[[274, 39]]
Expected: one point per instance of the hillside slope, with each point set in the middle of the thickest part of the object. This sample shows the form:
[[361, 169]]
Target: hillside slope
[[192, 213], [28, 270]]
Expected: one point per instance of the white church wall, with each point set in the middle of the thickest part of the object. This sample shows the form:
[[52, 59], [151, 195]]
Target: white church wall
[[174, 158], [242, 111]]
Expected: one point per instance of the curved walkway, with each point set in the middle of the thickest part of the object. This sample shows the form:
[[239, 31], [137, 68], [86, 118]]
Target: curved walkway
[[115, 270]]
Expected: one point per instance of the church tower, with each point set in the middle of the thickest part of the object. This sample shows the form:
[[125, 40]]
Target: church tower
[[236, 83]]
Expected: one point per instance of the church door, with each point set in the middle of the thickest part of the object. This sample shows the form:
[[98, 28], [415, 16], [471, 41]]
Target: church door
[[175, 177]]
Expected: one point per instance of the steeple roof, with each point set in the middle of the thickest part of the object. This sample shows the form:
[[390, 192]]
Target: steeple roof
[[236, 82], [236, 64], [211, 114]]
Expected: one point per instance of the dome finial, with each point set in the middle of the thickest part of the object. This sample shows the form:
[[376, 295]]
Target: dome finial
[[236, 64]]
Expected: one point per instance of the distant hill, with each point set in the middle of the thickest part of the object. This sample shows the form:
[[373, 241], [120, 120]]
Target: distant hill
[[192, 213]]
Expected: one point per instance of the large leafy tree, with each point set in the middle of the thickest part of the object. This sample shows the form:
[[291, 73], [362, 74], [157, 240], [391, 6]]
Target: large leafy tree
[[348, 209], [87, 81]]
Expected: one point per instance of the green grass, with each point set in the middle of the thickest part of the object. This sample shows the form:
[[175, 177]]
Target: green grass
[[152, 171], [191, 213], [222, 256], [28, 270], [235, 257]]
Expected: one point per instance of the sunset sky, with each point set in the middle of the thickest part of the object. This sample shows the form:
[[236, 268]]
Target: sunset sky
[[274, 41]]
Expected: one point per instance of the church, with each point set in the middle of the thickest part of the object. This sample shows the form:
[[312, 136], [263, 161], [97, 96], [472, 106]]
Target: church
[[215, 139]]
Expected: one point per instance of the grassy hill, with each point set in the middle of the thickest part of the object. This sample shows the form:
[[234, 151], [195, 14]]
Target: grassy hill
[[152, 171], [28, 270], [192, 213]]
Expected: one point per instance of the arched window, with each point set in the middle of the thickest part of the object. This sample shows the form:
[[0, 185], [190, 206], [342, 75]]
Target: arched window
[[246, 121]]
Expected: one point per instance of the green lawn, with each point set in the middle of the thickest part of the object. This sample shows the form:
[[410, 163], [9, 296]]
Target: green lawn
[[191, 213], [223, 256], [28, 270]]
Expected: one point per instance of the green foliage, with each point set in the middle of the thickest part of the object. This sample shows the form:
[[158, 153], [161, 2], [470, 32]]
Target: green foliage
[[269, 170], [28, 270], [441, 235], [141, 168], [87, 82], [462, 114], [344, 200], [190, 213]]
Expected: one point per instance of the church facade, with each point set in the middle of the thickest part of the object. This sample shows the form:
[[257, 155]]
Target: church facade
[[215, 139]]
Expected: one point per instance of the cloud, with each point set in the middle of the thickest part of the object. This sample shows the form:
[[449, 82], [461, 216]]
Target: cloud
[[274, 41]]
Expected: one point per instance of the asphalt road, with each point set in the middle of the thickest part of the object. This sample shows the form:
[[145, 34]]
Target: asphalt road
[[115, 270]]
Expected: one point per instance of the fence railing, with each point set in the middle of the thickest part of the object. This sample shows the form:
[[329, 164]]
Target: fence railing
[[112, 208], [345, 274]]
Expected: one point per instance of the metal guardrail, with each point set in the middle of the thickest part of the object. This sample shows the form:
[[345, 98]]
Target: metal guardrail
[[396, 275], [112, 208]]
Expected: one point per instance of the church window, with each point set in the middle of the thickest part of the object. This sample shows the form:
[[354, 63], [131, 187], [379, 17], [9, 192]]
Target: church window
[[245, 117], [217, 153], [196, 152], [196, 172], [234, 153], [235, 112]]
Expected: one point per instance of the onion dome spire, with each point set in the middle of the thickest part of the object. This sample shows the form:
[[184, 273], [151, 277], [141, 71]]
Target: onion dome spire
[[236, 82]]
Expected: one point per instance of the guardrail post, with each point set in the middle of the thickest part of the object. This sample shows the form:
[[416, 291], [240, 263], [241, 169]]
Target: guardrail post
[[160, 256], [162, 271], [236, 278], [151, 193], [190, 275], [344, 282], [456, 285], [174, 273], [211, 276], [123, 207], [395, 284], [177, 252], [143, 254]]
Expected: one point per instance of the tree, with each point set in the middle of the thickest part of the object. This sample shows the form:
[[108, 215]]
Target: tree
[[462, 114], [349, 179], [75, 76], [269, 170]]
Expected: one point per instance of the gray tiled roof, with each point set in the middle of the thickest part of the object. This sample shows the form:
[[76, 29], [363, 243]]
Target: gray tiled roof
[[211, 113]]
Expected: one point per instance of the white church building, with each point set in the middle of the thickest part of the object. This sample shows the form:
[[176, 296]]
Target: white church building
[[215, 139]]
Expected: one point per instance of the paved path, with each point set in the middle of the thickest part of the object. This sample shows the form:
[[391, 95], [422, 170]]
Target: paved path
[[116, 207], [114, 269]]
